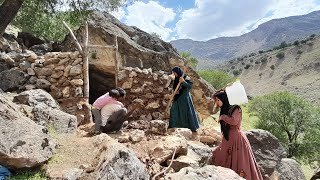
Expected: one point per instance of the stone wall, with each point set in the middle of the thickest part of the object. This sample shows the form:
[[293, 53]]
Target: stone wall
[[59, 73], [154, 88], [151, 87]]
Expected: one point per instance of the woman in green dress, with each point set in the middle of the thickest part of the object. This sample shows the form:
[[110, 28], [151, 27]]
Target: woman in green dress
[[182, 112]]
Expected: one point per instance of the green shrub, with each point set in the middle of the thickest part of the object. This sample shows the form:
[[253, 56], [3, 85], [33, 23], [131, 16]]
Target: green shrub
[[294, 121], [264, 60], [217, 79], [272, 67], [236, 72], [247, 66], [280, 55], [296, 43], [303, 41]]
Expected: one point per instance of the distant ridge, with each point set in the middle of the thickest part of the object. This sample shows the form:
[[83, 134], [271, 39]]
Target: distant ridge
[[266, 36]]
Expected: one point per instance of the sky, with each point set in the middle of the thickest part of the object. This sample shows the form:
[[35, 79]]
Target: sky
[[201, 20]]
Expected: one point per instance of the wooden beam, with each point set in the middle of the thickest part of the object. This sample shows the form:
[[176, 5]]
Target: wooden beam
[[74, 38], [116, 60]]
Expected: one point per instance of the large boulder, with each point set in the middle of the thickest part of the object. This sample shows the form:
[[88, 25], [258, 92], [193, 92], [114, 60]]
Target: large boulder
[[166, 146], [267, 150], [36, 98], [62, 122], [207, 172], [289, 169], [46, 111], [12, 79], [23, 143], [117, 161]]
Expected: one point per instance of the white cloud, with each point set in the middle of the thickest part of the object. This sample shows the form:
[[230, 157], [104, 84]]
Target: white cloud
[[119, 14], [215, 18], [285, 8], [150, 17]]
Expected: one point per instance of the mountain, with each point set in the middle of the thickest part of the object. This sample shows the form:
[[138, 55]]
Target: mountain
[[266, 36], [295, 69]]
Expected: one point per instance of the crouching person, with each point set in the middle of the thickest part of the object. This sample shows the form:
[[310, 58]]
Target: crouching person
[[113, 114]]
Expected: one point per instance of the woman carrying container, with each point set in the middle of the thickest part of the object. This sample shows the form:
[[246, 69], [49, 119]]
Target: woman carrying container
[[235, 151]]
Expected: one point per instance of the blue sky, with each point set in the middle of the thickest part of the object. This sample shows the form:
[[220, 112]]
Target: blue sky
[[202, 20]]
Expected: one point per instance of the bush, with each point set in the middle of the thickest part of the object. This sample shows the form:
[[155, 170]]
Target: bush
[[280, 55], [313, 35], [272, 67], [292, 120], [236, 72], [310, 43], [218, 79], [243, 63], [252, 54], [247, 66], [261, 51], [296, 43], [251, 60], [299, 52], [257, 62], [283, 45], [303, 41], [232, 67], [264, 60]]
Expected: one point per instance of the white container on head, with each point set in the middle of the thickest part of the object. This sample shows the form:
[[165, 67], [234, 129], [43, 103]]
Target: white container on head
[[236, 94]]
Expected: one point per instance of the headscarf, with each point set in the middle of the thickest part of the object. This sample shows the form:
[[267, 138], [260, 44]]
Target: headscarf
[[224, 110], [176, 79], [179, 72]]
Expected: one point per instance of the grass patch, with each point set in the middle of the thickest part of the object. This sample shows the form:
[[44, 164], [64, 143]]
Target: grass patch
[[28, 175], [307, 170], [53, 132], [248, 121]]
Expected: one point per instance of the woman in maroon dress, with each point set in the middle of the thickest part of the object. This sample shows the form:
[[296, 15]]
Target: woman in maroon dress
[[235, 151]]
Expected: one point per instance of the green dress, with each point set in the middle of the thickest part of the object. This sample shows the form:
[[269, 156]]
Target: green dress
[[182, 112]]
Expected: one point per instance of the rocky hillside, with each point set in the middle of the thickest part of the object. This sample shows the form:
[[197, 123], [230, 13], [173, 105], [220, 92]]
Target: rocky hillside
[[295, 68], [266, 36]]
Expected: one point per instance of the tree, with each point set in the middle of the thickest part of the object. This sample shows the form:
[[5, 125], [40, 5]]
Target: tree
[[44, 15], [218, 79], [192, 60], [8, 10], [292, 120]]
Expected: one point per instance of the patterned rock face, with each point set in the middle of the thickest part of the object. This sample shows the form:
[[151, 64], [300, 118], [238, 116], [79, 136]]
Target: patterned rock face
[[29, 145]]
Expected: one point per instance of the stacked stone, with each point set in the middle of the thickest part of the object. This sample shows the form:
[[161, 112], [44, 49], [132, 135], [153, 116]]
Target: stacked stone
[[151, 87], [60, 73]]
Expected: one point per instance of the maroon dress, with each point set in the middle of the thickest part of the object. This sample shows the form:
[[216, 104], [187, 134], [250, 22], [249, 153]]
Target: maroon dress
[[236, 153]]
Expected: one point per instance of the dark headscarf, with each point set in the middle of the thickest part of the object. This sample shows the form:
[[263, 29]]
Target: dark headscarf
[[224, 110], [179, 72]]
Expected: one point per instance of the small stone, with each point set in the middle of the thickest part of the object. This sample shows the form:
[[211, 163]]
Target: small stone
[[51, 61], [43, 84], [32, 57], [59, 68], [136, 135], [66, 92], [77, 61], [57, 74], [75, 70], [153, 105], [76, 82], [31, 72], [127, 84], [133, 74]]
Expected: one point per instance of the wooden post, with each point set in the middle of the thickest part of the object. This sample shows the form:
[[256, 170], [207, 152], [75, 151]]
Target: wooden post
[[116, 60], [84, 51]]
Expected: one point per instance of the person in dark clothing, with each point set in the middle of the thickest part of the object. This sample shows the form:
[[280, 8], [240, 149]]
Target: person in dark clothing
[[182, 112]]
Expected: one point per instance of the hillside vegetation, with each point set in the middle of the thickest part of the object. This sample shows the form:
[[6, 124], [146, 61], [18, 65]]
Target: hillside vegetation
[[294, 68], [266, 36]]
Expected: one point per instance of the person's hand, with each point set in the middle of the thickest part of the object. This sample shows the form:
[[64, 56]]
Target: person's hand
[[181, 80]]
